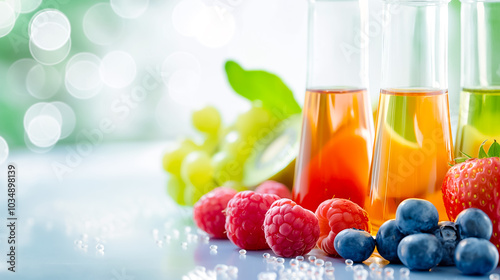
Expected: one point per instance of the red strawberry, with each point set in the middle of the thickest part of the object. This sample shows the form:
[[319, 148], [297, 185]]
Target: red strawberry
[[475, 183]]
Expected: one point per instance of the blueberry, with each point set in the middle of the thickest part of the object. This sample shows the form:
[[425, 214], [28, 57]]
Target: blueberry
[[474, 222], [388, 238], [421, 251], [474, 256], [416, 215], [354, 244], [447, 233]]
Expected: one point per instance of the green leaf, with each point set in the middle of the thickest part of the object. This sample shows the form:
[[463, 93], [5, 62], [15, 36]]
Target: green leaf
[[460, 160], [482, 152], [466, 155], [494, 150], [263, 86]]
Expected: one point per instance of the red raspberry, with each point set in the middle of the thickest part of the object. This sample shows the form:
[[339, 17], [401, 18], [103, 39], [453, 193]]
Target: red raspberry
[[290, 229], [274, 187], [208, 211], [335, 215], [245, 214]]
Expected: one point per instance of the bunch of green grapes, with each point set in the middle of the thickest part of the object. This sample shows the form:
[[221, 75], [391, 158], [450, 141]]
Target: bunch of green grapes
[[197, 168]]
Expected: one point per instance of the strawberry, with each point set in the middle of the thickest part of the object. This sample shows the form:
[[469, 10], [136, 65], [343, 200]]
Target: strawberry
[[475, 182]]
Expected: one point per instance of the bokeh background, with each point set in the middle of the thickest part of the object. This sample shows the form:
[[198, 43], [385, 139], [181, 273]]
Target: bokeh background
[[142, 66]]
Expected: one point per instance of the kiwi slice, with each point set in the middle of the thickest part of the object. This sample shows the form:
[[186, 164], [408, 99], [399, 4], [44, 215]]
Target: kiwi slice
[[273, 156]]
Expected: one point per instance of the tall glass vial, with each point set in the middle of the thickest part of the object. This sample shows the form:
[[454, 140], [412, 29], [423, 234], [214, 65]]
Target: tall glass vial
[[480, 98], [337, 129], [413, 143]]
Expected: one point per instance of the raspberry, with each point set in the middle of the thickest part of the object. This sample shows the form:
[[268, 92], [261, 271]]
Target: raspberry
[[208, 211], [335, 215], [290, 229], [273, 187], [245, 214]]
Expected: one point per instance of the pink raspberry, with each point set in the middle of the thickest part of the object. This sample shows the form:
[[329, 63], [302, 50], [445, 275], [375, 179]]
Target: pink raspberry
[[273, 187], [290, 229], [335, 215], [208, 211], [245, 214]]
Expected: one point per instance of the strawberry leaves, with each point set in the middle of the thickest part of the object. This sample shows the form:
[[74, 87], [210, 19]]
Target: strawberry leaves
[[494, 150], [482, 152]]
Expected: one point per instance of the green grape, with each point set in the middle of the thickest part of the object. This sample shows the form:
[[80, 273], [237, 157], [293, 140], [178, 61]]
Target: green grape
[[238, 186], [193, 193], [176, 188], [236, 146], [210, 144], [227, 168], [255, 123], [174, 156], [197, 169], [207, 120]]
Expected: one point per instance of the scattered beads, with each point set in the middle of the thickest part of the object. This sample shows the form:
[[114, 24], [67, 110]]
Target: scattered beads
[[266, 255], [328, 264], [99, 247], [359, 267], [303, 266], [319, 262], [243, 252], [360, 274], [389, 272], [267, 276], [280, 260], [329, 271], [294, 263], [312, 259], [348, 262], [373, 266], [300, 258], [213, 247], [494, 276], [404, 272]]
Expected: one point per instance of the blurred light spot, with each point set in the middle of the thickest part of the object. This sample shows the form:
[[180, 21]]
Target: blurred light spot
[[33, 147], [49, 57], [181, 73], [49, 30], [7, 18], [4, 150], [186, 17], [28, 6], [43, 82], [16, 5], [219, 28], [68, 118], [213, 26], [179, 61], [16, 76], [117, 69], [44, 131], [183, 85], [129, 8], [41, 109], [101, 25], [82, 76]]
